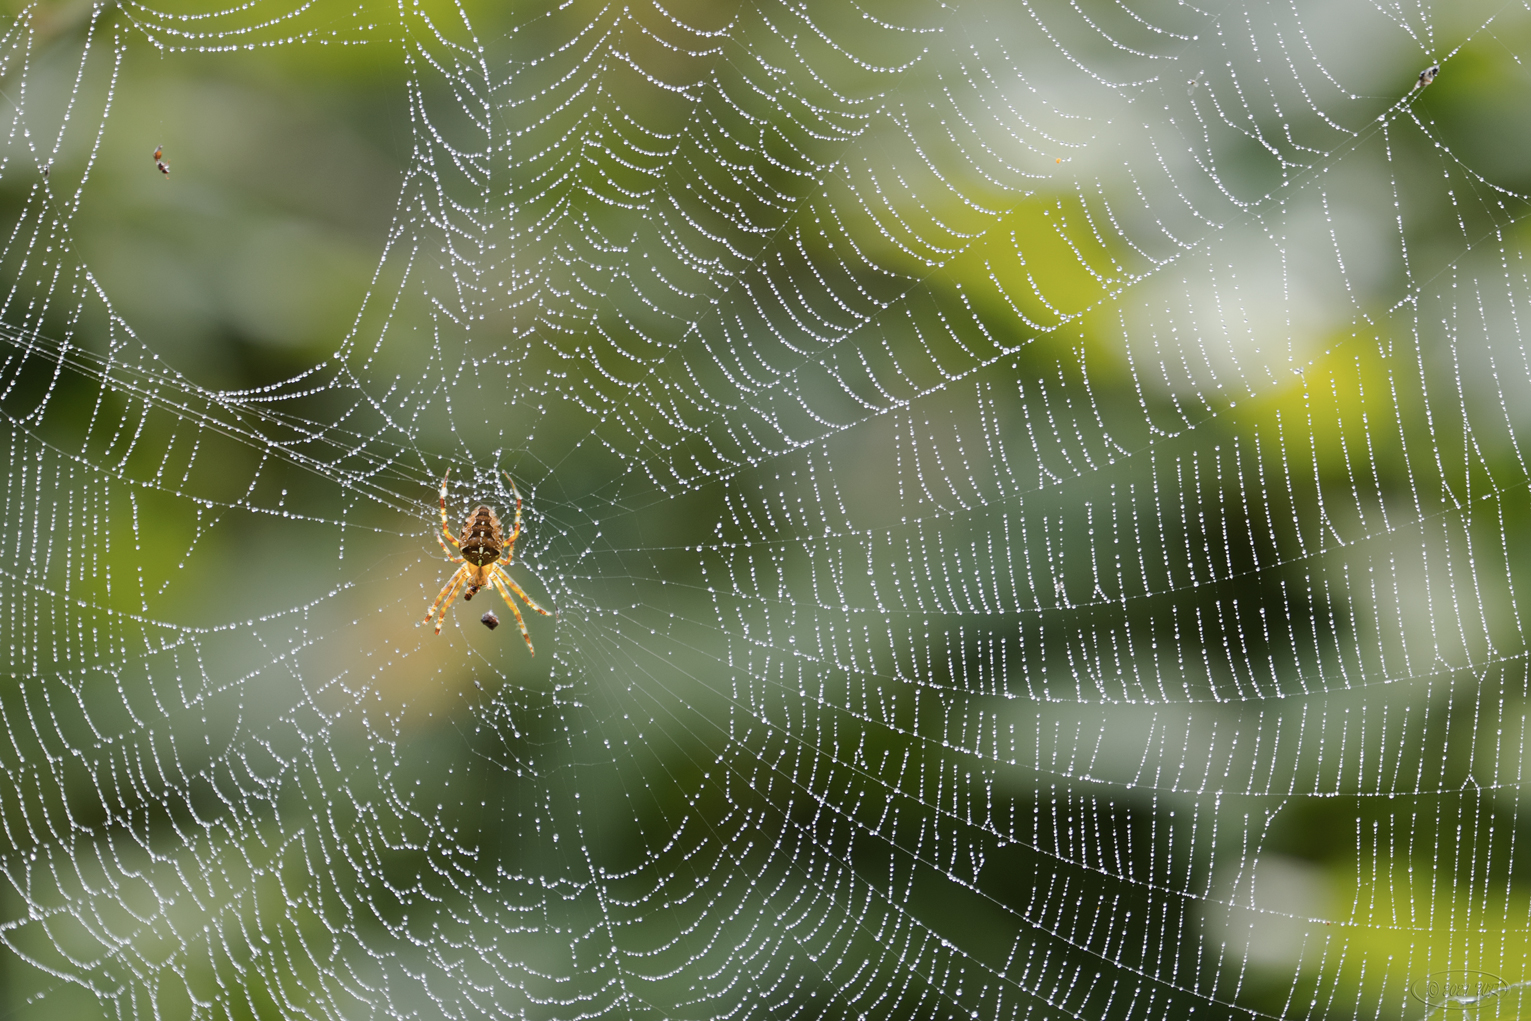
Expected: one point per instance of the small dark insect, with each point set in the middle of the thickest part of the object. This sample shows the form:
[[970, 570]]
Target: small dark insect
[[490, 621], [1428, 75], [164, 167], [158, 152]]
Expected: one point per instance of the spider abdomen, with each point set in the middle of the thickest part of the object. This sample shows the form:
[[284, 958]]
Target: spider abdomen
[[481, 541]]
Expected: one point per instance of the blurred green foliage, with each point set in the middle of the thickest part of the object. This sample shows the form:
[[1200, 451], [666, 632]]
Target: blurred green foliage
[[253, 262]]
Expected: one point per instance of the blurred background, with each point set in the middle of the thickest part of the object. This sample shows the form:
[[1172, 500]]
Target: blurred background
[[1032, 499]]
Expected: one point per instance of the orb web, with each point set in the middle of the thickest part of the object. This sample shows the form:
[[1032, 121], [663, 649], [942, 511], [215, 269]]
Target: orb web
[[1029, 493]]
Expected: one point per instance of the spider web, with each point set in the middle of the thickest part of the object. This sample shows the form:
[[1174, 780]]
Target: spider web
[[1030, 495]]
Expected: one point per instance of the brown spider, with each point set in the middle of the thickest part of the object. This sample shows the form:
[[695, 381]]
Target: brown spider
[[481, 544]]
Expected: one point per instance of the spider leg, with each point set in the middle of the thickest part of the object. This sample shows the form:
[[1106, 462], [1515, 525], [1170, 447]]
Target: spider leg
[[511, 539], [499, 580], [446, 596], [444, 529], [500, 572]]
